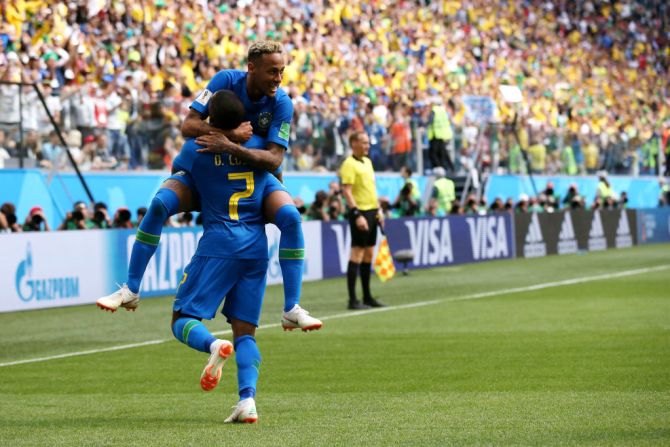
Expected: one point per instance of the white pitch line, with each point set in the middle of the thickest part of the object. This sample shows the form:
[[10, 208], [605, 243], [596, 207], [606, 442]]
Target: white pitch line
[[474, 296]]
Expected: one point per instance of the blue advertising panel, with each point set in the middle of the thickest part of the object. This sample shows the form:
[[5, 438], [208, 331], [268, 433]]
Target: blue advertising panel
[[653, 225], [434, 241]]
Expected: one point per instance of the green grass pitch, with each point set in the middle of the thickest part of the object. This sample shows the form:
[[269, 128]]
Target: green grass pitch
[[578, 363]]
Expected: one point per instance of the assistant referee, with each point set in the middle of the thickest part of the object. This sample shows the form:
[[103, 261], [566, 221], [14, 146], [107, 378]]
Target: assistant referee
[[360, 192]]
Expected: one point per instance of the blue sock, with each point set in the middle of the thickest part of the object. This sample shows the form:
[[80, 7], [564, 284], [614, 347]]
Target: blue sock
[[291, 253], [164, 204], [248, 359], [193, 333]]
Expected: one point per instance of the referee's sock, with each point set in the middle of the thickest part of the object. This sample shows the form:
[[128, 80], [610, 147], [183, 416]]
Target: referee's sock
[[248, 359], [193, 333], [164, 204], [352, 273], [291, 253], [365, 280]]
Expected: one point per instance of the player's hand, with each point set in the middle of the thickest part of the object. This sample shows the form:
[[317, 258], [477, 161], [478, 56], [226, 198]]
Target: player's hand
[[241, 133], [362, 223], [214, 142]]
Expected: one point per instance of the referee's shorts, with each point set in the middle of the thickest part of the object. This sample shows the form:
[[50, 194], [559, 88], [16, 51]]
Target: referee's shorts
[[361, 238]]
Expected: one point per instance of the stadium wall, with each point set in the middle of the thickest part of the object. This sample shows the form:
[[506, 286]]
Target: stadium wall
[[643, 192], [65, 268], [56, 193]]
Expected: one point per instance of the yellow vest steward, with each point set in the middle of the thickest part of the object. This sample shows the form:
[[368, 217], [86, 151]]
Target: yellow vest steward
[[361, 176], [446, 193], [440, 127]]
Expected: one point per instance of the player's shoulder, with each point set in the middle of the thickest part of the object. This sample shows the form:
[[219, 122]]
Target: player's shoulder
[[190, 145], [224, 79], [282, 99]]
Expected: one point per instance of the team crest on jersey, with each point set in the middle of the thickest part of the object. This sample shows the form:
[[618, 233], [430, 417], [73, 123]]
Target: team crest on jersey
[[264, 120]]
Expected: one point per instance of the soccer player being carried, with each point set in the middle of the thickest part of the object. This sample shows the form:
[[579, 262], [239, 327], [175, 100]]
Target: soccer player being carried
[[268, 113], [231, 260]]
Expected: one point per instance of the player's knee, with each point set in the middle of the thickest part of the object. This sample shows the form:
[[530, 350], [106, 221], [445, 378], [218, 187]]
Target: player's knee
[[287, 216], [167, 200]]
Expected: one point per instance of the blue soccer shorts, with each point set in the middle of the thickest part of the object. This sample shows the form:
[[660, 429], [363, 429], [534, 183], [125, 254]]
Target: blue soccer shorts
[[207, 281]]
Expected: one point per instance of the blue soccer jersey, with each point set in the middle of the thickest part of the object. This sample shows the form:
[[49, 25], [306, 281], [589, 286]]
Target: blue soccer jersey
[[231, 195], [270, 117]]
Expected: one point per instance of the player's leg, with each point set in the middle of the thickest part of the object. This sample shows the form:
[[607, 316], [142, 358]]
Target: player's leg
[[206, 281], [242, 307], [174, 196], [366, 262], [278, 208]]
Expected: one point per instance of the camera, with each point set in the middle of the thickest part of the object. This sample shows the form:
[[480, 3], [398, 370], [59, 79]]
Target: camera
[[77, 216], [99, 216], [36, 220]]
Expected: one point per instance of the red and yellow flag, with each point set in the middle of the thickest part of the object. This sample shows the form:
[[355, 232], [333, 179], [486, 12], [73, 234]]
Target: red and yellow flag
[[384, 263]]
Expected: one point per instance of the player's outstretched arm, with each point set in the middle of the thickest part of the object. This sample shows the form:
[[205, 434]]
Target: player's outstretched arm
[[194, 126], [268, 160]]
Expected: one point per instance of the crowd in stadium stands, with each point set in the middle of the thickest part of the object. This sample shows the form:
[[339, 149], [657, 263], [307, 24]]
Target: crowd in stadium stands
[[118, 76]]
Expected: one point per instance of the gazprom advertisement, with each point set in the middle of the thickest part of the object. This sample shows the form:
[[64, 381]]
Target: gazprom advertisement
[[433, 241], [40, 270]]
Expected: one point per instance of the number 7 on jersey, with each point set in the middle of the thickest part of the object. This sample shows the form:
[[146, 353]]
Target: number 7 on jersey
[[248, 178]]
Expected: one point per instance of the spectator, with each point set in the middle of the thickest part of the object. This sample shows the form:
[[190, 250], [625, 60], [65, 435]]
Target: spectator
[[36, 220], [52, 152], [4, 153], [401, 138]]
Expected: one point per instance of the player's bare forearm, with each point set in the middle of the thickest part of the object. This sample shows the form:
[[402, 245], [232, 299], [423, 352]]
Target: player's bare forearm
[[268, 159], [193, 126]]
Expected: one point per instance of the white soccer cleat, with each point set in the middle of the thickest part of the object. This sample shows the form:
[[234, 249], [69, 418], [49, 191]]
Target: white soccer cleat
[[298, 318], [221, 350], [121, 298], [244, 411]]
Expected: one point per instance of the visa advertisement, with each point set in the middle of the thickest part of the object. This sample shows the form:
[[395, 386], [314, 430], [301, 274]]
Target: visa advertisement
[[436, 241], [653, 225]]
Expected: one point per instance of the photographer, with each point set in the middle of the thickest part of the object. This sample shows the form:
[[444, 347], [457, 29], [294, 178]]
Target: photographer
[[36, 221], [77, 219], [122, 219], [405, 203], [101, 217], [317, 210], [9, 222]]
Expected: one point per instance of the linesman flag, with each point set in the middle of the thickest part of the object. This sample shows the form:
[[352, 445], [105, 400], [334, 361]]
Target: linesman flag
[[384, 262]]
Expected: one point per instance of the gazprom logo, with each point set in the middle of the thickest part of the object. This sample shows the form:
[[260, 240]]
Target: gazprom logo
[[42, 289]]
